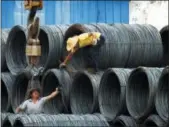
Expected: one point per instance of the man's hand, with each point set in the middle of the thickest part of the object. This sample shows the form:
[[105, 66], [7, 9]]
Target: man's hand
[[59, 89], [53, 94], [18, 110], [62, 65]]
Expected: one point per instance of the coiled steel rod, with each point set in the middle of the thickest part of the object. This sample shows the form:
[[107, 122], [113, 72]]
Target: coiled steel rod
[[112, 92], [162, 96], [61, 120], [123, 121], [3, 117], [51, 39], [124, 46], [141, 90], [7, 82], [56, 78], [4, 35], [15, 54], [84, 92], [10, 119], [165, 39], [154, 121]]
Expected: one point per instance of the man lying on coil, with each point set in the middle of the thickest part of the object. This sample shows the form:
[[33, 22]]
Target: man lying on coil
[[80, 41]]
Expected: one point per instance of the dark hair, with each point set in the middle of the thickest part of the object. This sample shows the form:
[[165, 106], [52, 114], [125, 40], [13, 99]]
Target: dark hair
[[31, 91], [101, 41]]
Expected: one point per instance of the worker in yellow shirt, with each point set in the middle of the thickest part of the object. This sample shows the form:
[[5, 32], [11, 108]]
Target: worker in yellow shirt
[[83, 40]]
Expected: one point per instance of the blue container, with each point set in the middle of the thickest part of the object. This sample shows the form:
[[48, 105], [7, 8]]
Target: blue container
[[66, 12]]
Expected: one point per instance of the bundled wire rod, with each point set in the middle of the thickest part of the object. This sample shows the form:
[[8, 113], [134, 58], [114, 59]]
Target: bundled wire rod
[[112, 92], [36, 120], [123, 47], [4, 35], [25, 121], [84, 92], [3, 117], [19, 92], [15, 54], [57, 78], [51, 39], [7, 83], [164, 36], [141, 89], [133, 41], [162, 96], [123, 121], [45, 120], [61, 120], [79, 60], [154, 121], [10, 119]]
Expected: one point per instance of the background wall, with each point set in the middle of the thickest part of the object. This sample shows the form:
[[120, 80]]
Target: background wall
[[149, 12], [65, 12]]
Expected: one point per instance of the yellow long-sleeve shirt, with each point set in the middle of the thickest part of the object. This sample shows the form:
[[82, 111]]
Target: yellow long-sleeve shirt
[[83, 40]]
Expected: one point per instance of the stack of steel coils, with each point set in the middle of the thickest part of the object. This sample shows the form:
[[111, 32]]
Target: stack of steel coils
[[123, 82]]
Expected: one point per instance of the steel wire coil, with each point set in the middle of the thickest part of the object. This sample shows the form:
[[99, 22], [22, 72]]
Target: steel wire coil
[[51, 39], [15, 54], [84, 92], [124, 46], [19, 92], [162, 96], [56, 78], [154, 121], [141, 90], [123, 121], [4, 35], [3, 117], [112, 92], [164, 36], [10, 119], [25, 121], [7, 82], [61, 120]]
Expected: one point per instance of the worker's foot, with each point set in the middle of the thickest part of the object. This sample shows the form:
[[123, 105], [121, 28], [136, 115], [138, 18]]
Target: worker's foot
[[62, 65]]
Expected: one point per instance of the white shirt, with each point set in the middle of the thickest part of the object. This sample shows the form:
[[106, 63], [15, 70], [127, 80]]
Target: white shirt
[[33, 108]]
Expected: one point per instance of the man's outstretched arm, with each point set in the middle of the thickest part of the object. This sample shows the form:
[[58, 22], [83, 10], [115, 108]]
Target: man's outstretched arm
[[52, 95]]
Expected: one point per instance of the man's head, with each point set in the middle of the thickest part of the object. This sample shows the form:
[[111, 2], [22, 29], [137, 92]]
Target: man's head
[[34, 93]]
